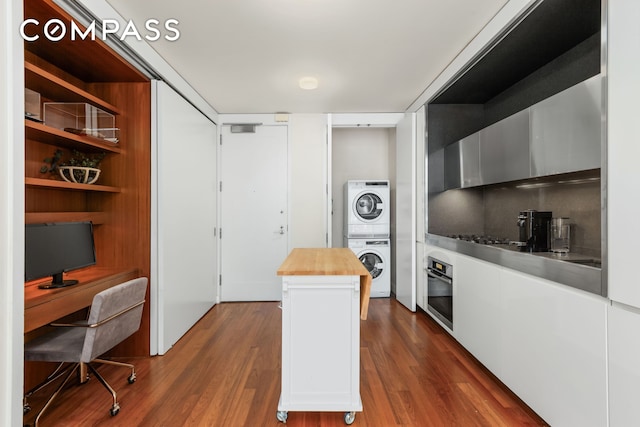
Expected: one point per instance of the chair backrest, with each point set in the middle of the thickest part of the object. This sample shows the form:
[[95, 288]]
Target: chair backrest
[[108, 303]]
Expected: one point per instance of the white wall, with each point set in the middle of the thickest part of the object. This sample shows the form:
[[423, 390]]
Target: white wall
[[11, 214], [308, 180], [358, 153]]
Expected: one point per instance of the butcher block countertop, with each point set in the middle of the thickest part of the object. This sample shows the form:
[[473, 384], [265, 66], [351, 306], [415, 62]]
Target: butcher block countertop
[[329, 262]]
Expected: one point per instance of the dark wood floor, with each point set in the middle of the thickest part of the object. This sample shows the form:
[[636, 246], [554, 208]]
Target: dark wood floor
[[226, 372]]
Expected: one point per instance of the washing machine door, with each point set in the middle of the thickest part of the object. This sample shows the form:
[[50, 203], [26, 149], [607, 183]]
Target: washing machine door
[[368, 206], [373, 263]]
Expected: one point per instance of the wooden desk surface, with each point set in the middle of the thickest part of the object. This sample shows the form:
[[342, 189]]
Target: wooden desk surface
[[329, 262], [43, 306]]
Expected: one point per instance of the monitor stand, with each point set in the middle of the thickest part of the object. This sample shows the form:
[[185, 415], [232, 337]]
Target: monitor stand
[[57, 282]]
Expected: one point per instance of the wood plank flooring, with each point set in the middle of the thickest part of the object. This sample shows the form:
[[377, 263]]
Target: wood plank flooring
[[226, 372]]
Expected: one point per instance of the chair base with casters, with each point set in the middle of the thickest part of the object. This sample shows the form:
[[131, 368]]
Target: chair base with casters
[[115, 315]]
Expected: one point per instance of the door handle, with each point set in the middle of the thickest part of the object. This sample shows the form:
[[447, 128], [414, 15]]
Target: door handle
[[438, 277]]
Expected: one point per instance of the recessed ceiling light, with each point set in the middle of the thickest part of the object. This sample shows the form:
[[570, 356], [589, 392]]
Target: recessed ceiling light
[[308, 83]]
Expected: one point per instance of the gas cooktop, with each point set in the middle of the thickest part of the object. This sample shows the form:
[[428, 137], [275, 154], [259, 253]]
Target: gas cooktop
[[483, 240]]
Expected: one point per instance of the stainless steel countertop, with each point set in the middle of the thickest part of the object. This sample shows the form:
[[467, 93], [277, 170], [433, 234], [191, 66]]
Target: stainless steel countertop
[[568, 269]]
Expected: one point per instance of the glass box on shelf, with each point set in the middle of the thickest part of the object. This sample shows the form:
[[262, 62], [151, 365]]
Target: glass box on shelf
[[32, 105], [81, 118]]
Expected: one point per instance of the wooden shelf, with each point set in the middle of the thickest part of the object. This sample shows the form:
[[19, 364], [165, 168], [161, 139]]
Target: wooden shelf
[[48, 135], [89, 60], [63, 185], [53, 87], [39, 217]]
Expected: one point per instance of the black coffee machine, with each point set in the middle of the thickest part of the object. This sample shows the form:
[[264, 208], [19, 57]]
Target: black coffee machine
[[535, 230]]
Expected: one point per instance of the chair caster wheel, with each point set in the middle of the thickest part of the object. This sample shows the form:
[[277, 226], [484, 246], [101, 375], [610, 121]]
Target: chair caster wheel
[[131, 379], [26, 408], [114, 410]]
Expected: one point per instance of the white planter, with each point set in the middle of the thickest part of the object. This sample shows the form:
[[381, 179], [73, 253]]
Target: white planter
[[79, 174]]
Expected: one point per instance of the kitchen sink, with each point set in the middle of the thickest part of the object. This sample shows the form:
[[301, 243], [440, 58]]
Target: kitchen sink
[[588, 262]]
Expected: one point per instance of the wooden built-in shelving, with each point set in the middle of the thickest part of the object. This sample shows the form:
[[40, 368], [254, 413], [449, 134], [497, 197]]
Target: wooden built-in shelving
[[64, 185], [54, 87], [40, 217], [48, 135], [90, 72]]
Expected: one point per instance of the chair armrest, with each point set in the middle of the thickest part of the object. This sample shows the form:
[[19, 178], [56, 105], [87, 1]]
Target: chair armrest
[[100, 323], [71, 325]]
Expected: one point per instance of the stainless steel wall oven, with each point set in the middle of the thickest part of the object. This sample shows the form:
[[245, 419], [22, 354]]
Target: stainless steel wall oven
[[440, 290]]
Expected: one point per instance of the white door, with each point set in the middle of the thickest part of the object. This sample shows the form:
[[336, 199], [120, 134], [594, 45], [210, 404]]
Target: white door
[[253, 212], [405, 237], [184, 247]]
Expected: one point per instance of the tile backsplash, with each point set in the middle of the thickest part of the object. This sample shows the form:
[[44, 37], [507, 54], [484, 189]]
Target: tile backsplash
[[493, 210]]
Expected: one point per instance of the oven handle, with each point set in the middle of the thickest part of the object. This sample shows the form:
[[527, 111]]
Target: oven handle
[[434, 275]]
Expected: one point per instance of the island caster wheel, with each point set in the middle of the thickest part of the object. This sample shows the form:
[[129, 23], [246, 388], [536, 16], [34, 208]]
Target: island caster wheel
[[282, 416], [349, 418]]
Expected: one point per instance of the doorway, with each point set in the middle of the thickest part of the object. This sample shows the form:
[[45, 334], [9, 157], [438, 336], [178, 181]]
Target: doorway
[[253, 211], [358, 153], [363, 153]]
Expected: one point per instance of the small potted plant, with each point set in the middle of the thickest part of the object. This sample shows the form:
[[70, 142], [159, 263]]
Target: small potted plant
[[80, 168]]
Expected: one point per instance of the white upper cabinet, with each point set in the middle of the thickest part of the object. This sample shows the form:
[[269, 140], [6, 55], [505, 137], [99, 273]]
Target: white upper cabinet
[[623, 151]]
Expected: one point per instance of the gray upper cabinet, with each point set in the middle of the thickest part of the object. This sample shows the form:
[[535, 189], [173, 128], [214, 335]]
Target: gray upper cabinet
[[566, 130], [504, 150], [462, 163], [560, 134]]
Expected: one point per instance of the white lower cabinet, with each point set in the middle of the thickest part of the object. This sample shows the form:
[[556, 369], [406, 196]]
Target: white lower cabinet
[[545, 341], [624, 365], [554, 349], [477, 310]]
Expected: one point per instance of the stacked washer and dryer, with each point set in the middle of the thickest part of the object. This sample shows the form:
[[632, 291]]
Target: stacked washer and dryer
[[367, 229]]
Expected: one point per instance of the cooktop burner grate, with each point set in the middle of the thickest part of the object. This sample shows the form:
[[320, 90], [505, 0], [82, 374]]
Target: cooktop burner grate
[[483, 240]]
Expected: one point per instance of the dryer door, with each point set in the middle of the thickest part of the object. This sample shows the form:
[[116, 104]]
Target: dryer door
[[368, 206], [373, 262]]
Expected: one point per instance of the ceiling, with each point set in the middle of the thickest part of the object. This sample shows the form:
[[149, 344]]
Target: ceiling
[[246, 56]]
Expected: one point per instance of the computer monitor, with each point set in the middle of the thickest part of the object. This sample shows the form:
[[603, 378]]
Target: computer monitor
[[52, 249]]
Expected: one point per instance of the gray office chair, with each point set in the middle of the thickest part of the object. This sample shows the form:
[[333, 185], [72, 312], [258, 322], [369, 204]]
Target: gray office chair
[[115, 315]]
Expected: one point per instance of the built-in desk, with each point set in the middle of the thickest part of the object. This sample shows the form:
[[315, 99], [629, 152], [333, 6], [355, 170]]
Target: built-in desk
[[43, 306]]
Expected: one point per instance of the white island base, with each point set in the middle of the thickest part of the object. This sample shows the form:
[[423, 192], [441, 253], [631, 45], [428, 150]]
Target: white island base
[[320, 345]]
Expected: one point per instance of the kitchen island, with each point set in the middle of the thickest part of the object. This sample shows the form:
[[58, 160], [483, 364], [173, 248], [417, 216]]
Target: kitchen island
[[329, 262], [325, 293]]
